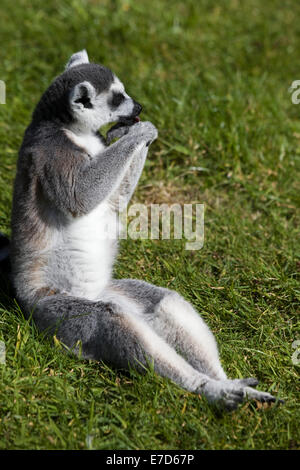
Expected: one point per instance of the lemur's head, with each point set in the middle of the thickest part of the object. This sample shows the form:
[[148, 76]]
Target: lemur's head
[[87, 96]]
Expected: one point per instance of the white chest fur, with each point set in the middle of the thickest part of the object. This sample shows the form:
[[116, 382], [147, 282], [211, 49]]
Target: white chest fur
[[91, 143], [91, 242]]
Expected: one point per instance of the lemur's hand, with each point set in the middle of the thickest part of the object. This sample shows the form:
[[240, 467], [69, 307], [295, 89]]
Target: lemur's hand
[[144, 130], [116, 132]]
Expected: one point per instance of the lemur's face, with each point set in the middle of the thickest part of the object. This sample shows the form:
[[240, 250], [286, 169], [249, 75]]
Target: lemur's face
[[100, 98]]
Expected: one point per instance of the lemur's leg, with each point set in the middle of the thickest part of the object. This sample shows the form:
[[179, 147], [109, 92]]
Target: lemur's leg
[[174, 319], [178, 323], [105, 332]]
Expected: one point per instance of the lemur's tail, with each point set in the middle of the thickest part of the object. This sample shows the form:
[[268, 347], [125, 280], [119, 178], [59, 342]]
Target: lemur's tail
[[4, 247], [4, 256]]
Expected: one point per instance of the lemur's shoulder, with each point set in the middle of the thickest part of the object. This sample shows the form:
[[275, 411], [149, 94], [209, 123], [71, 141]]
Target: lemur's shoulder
[[48, 165], [48, 146]]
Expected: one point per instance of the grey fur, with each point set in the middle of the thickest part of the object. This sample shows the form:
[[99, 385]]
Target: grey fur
[[58, 183]]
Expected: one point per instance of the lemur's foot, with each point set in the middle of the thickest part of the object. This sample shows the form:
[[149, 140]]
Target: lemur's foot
[[250, 382], [230, 393], [249, 392], [263, 397], [224, 393]]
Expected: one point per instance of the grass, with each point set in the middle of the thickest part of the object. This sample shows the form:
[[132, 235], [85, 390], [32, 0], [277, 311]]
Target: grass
[[214, 79]]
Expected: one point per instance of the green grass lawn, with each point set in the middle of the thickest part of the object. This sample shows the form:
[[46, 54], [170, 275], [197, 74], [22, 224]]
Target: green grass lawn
[[214, 78]]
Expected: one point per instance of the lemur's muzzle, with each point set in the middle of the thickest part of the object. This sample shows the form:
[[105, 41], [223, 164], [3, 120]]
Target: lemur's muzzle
[[124, 122], [137, 109], [133, 117]]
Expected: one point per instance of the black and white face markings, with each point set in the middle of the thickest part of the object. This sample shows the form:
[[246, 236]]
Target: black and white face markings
[[121, 104], [117, 99], [99, 98], [91, 110]]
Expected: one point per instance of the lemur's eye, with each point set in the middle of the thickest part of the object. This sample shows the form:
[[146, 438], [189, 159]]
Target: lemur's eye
[[117, 99]]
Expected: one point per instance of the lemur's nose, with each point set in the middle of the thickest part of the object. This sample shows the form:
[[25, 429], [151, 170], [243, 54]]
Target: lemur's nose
[[137, 108]]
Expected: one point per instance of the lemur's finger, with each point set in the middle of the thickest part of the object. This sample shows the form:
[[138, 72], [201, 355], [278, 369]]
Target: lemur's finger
[[250, 382], [116, 133], [231, 405], [263, 397]]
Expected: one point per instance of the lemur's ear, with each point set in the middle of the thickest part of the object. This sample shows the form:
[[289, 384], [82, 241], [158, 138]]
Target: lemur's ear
[[83, 95], [78, 58]]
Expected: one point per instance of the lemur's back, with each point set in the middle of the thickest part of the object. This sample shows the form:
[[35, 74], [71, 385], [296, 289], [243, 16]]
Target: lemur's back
[[29, 229], [55, 251]]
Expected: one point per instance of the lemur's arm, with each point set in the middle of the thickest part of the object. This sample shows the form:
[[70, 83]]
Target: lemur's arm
[[122, 194], [77, 185]]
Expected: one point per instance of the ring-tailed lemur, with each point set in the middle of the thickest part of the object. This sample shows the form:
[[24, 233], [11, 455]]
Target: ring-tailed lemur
[[68, 180]]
